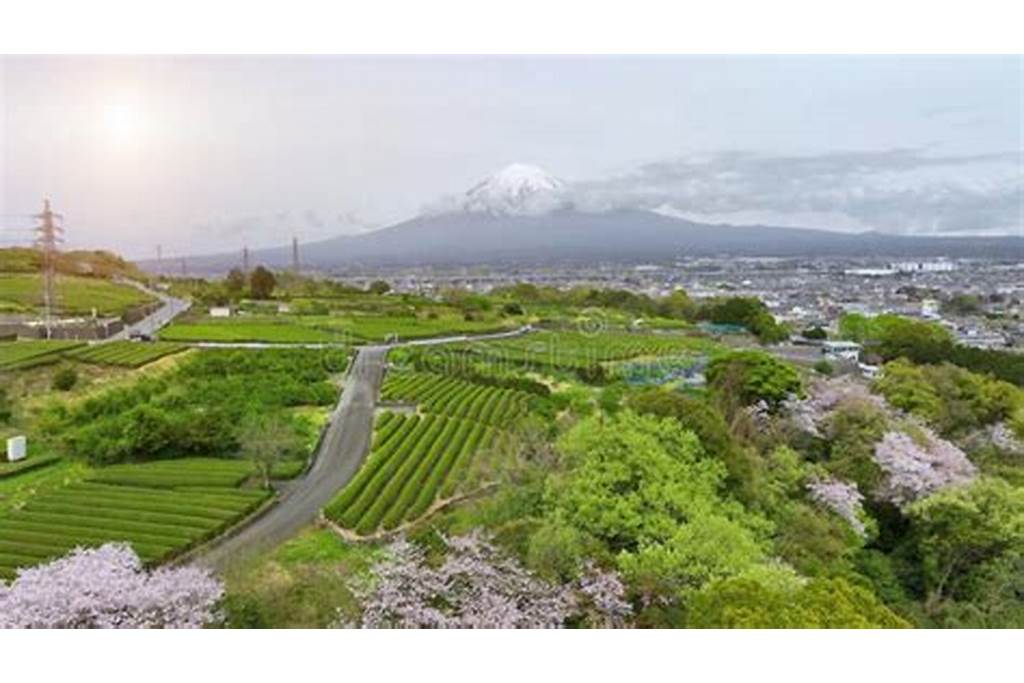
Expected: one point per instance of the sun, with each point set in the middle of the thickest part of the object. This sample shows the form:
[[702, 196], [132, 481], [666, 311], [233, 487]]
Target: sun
[[122, 123]]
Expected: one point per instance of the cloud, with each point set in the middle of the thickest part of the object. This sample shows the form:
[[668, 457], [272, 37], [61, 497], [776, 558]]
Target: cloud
[[276, 229], [898, 191]]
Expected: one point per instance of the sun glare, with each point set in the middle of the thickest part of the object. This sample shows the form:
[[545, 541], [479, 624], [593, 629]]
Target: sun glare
[[122, 123]]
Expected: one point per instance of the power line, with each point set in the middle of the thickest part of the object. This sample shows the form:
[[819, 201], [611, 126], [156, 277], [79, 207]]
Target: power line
[[48, 236]]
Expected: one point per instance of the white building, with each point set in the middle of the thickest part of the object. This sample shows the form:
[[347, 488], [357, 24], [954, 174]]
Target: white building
[[937, 266], [841, 351]]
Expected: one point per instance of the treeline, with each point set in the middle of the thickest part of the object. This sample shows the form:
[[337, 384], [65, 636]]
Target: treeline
[[748, 312], [892, 336], [199, 409]]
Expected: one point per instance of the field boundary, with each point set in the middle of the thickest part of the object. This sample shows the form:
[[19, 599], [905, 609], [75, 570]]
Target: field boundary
[[382, 534], [190, 554]]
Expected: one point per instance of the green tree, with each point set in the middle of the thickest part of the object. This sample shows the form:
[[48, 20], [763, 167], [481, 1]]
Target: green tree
[[742, 464], [266, 440], [234, 283], [262, 283], [677, 305], [706, 548], [752, 376], [643, 488], [744, 602], [959, 532], [379, 287]]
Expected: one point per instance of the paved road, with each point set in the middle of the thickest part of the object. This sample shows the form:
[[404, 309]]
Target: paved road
[[342, 450], [172, 307]]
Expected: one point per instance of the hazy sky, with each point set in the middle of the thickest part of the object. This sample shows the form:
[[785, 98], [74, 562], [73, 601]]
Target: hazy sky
[[206, 153]]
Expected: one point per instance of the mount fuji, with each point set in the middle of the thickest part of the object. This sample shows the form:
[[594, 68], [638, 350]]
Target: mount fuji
[[524, 215]]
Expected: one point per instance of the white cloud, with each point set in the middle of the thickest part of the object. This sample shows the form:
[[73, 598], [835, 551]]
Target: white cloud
[[897, 191]]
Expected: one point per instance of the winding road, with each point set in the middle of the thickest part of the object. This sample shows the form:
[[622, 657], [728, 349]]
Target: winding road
[[342, 450]]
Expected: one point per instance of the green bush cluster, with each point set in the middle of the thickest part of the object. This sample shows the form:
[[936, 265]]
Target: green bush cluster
[[197, 409]]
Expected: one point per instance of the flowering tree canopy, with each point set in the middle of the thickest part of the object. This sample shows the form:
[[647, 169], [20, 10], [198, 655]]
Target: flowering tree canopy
[[478, 587], [107, 587], [916, 467], [840, 497]]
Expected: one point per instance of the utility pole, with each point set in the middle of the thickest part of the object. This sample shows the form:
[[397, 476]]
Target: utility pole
[[48, 236], [245, 259], [295, 255]]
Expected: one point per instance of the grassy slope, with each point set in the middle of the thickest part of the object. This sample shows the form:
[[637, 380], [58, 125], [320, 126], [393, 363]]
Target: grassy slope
[[23, 292]]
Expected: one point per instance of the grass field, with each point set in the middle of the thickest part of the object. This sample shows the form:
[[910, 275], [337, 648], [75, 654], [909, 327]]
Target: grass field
[[162, 509], [379, 328], [75, 295], [326, 328], [126, 354], [26, 354], [247, 330]]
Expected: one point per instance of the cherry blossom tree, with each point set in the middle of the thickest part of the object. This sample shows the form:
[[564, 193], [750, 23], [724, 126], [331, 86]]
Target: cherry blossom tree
[[842, 498], [823, 397], [107, 587], [477, 586], [917, 467]]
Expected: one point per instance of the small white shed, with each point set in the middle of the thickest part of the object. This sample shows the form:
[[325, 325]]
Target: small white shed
[[17, 448]]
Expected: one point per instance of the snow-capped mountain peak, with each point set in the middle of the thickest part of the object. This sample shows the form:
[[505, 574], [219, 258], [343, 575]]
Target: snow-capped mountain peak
[[516, 189]]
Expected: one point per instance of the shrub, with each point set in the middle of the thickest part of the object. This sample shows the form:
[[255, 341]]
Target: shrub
[[823, 367], [65, 379]]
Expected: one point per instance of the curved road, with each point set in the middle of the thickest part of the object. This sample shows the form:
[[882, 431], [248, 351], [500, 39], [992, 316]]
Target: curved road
[[342, 450]]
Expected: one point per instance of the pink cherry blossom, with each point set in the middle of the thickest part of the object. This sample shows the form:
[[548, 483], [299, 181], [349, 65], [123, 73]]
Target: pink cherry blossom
[[841, 497], [107, 587]]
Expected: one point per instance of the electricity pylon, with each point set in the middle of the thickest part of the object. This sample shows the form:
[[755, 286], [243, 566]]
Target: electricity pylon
[[48, 236]]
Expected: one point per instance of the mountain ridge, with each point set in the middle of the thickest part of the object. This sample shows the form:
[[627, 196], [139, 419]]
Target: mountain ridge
[[572, 236]]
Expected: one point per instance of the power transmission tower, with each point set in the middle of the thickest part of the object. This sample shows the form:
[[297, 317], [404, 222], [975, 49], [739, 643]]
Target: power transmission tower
[[245, 259], [295, 255], [48, 236]]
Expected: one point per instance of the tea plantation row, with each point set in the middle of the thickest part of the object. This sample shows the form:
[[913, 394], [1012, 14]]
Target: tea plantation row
[[162, 509], [414, 460]]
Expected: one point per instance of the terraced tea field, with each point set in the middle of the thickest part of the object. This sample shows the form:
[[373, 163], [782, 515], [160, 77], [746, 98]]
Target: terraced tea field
[[577, 350], [458, 398], [417, 459], [20, 355], [126, 354], [160, 508], [414, 460]]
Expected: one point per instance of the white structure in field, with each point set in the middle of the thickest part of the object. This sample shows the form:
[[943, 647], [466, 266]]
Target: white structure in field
[[841, 350], [220, 312], [16, 448]]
